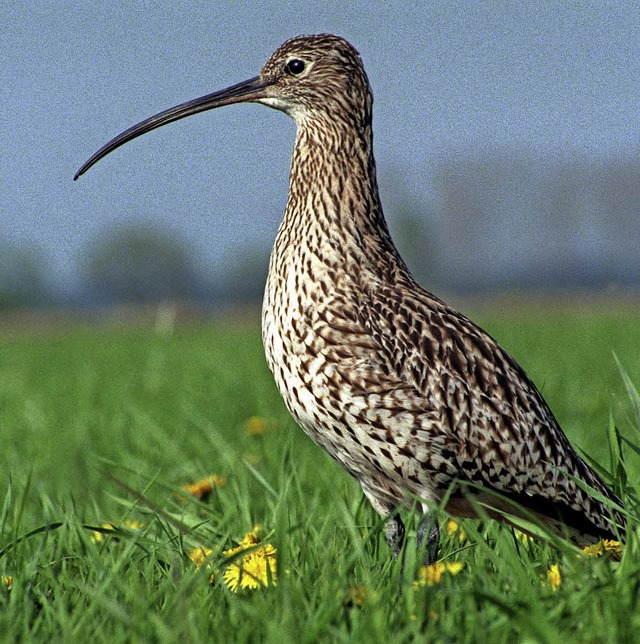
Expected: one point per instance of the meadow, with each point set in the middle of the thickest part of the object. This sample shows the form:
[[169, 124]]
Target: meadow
[[102, 428]]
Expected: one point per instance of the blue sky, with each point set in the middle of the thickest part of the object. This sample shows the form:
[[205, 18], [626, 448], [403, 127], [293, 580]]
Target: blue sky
[[545, 78]]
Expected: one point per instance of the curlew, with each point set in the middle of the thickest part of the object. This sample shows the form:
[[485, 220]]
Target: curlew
[[408, 395]]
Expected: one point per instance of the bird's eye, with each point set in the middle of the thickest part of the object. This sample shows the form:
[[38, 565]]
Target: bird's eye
[[295, 66]]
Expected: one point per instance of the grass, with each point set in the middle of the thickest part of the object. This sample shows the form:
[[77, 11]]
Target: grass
[[103, 425]]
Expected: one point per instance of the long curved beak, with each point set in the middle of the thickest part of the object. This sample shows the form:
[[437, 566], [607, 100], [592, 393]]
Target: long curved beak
[[250, 90]]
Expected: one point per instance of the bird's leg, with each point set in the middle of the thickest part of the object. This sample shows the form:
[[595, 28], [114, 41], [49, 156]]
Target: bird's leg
[[395, 535], [429, 527], [395, 528]]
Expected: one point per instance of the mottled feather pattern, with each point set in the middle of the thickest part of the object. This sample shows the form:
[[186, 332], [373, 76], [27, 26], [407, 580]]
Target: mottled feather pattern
[[404, 392], [407, 394]]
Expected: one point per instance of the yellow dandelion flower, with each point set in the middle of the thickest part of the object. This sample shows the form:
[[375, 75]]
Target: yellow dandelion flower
[[200, 557], [256, 569], [609, 546], [612, 546], [203, 488], [356, 596], [133, 525], [252, 458], [553, 576], [7, 581], [431, 575], [594, 550], [98, 536], [257, 426], [522, 536], [453, 528]]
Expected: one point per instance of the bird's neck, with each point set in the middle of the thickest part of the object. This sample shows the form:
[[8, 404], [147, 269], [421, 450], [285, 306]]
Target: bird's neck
[[334, 209]]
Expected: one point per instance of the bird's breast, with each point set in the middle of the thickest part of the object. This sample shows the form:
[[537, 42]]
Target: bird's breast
[[330, 373], [293, 347], [303, 351]]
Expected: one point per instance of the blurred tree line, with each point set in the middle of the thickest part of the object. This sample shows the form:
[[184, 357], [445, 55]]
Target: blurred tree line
[[495, 222], [132, 264], [22, 281], [510, 222], [139, 264]]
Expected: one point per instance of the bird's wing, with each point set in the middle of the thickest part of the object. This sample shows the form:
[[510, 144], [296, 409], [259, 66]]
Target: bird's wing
[[486, 420]]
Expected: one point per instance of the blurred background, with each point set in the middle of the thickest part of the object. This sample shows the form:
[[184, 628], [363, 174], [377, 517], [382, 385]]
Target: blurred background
[[506, 137]]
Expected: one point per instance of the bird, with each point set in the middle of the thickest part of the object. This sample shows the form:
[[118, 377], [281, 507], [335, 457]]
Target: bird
[[407, 394]]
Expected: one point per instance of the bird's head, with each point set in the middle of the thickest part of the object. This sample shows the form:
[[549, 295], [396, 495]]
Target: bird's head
[[312, 75], [308, 77]]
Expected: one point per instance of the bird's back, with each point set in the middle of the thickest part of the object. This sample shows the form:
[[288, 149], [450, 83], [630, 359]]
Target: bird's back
[[492, 426]]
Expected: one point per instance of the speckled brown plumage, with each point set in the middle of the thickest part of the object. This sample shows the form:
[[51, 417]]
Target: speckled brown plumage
[[408, 395]]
